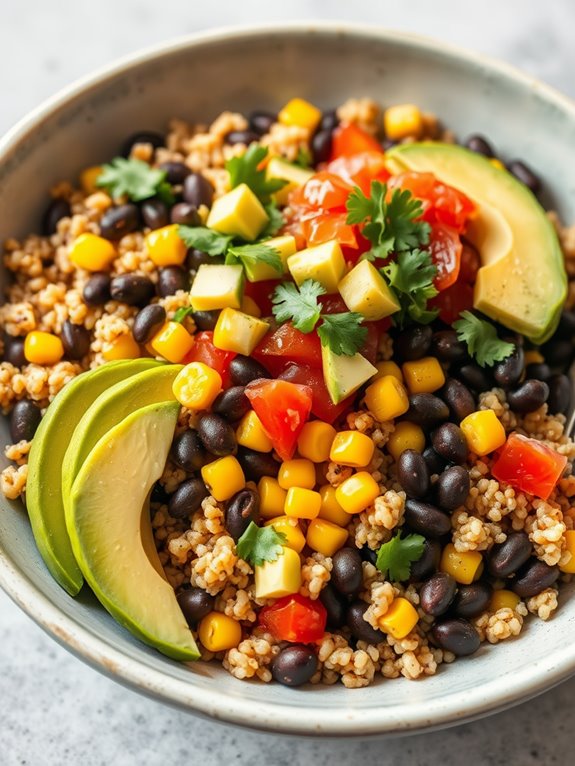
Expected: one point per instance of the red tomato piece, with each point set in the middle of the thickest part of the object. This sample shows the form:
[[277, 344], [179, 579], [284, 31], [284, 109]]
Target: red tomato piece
[[295, 618], [321, 406], [351, 139], [452, 301], [470, 263], [283, 409], [323, 227], [445, 249], [528, 465], [261, 293], [285, 345], [204, 351], [323, 191], [442, 203], [360, 169]]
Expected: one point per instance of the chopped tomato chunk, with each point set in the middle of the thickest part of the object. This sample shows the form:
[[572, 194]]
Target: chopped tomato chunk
[[445, 250], [323, 191], [360, 169], [529, 465], [452, 301], [321, 406], [351, 139], [295, 618], [442, 203], [286, 345], [323, 227], [204, 351]]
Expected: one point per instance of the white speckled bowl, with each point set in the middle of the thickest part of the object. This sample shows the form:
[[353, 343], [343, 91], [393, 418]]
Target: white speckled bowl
[[196, 78]]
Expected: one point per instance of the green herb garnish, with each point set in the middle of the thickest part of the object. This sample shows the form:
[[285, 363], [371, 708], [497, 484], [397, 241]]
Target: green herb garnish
[[411, 276], [134, 179], [204, 239], [482, 340], [246, 170], [259, 252], [260, 544], [394, 558], [342, 333], [182, 313]]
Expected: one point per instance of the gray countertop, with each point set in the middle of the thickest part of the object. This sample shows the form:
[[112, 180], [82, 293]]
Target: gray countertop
[[53, 709]]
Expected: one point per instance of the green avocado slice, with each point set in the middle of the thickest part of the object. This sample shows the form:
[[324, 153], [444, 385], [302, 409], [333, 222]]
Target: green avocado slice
[[522, 281], [44, 483]]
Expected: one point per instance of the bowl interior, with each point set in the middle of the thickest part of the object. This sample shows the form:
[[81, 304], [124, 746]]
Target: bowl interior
[[196, 80]]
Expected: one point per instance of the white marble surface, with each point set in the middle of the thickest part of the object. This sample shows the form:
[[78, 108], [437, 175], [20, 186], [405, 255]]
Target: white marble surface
[[53, 709]]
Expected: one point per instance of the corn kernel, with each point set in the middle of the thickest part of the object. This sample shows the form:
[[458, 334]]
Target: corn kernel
[[239, 332], [352, 448], [325, 537], [172, 342], [330, 509], [290, 527], [497, 163], [278, 578], [302, 503], [43, 348], [223, 477], [388, 368], [463, 567], [272, 497], [405, 436], [315, 440], [90, 252], [196, 386], [301, 113], [250, 433], [503, 599], [483, 431], [533, 357], [89, 179], [423, 376], [165, 247], [569, 567], [402, 121], [123, 347], [386, 398], [400, 618], [297, 473], [249, 306], [218, 632], [357, 493]]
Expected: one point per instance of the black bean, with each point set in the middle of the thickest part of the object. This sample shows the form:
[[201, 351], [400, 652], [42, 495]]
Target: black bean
[[523, 173], [559, 394], [188, 452], [434, 462], [413, 343], [426, 519], [159, 494], [14, 351], [538, 371], [57, 209], [241, 137], [459, 399], [566, 327], [557, 352], [480, 145], [294, 665], [457, 636], [427, 563], [147, 322], [426, 410], [155, 213], [185, 214], [195, 604], [413, 473], [118, 221], [449, 441], [474, 376], [335, 606], [452, 487], [321, 146], [388, 144], [142, 137], [347, 572], [528, 397], [171, 279], [132, 289], [368, 554], [471, 600], [261, 122], [243, 508], [244, 369], [206, 320], [176, 172], [187, 498], [24, 420], [257, 464], [329, 120], [361, 629], [96, 291], [198, 190], [507, 557], [197, 258], [437, 593], [508, 372], [76, 340], [533, 578], [232, 404], [447, 347], [217, 435]]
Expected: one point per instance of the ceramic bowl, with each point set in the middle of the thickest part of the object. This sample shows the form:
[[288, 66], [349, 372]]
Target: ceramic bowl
[[195, 78]]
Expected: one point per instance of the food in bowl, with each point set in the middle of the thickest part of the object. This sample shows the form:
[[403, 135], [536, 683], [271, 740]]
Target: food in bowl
[[289, 392]]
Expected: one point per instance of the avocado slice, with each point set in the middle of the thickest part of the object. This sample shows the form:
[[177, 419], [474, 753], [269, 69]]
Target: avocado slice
[[343, 375], [522, 281], [105, 514], [44, 484], [364, 290]]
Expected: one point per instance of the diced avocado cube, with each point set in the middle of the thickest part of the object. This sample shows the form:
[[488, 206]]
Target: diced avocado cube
[[294, 175], [364, 290], [217, 286], [281, 577], [258, 271], [239, 332], [239, 213], [323, 263], [343, 375]]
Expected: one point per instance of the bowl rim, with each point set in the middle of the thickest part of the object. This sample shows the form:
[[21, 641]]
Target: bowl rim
[[302, 719]]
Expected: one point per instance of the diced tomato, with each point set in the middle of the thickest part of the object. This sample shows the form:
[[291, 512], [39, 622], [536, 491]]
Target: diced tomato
[[332, 304], [360, 169], [528, 465], [323, 191], [452, 301], [369, 348], [470, 263], [204, 351], [261, 293], [445, 249], [295, 618], [283, 409], [321, 406], [351, 139], [322, 227], [285, 345]]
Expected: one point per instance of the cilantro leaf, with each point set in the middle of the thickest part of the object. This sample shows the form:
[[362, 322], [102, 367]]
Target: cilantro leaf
[[182, 313], [304, 158], [134, 179], [204, 239], [342, 333], [482, 340], [258, 252], [260, 544], [411, 276], [395, 557], [245, 170], [298, 306], [275, 223]]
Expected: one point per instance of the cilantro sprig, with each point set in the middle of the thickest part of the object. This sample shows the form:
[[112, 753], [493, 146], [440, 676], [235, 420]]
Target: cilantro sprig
[[207, 240], [134, 179], [411, 277], [259, 252], [247, 169], [394, 558], [260, 544], [482, 340], [182, 313]]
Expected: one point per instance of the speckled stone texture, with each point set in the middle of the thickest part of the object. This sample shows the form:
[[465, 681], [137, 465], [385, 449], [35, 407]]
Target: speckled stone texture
[[54, 710]]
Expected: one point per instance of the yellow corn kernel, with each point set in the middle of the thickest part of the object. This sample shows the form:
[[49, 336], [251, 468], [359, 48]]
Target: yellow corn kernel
[[250, 433], [290, 527], [386, 398], [218, 632], [388, 368], [249, 306], [302, 503], [400, 619], [325, 537], [90, 252], [172, 342], [272, 497], [503, 599], [278, 578], [301, 113], [497, 163], [330, 509], [123, 347], [165, 247], [423, 376], [533, 357], [196, 386], [43, 348], [297, 473], [402, 121], [239, 332], [405, 436], [89, 178], [357, 493], [352, 448], [223, 477], [315, 440], [569, 567], [484, 432], [463, 567]]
